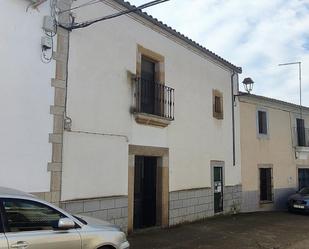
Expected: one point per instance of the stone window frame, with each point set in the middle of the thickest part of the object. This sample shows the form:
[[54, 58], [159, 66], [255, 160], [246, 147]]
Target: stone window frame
[[144, 118], [258, 134], [155, 57], [217, 94], [266, 166]]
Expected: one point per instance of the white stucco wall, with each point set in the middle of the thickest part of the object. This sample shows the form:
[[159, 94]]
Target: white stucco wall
[[95, 168], [99, 100], [25, 98]]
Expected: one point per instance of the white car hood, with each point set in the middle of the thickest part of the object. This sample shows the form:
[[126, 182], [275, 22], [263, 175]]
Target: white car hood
[[97, 223]]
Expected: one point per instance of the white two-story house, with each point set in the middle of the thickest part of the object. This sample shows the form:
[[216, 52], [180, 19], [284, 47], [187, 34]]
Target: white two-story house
[[150, 137]]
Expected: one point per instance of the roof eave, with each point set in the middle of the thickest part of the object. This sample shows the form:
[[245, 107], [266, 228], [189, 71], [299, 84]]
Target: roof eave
[[278, 101], [181, 36]]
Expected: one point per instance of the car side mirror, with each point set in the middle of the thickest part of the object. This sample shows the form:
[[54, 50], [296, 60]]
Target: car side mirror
[[66, 224]]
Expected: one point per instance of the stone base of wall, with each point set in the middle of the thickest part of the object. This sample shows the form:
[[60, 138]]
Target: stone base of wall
[[196, 204], [190, 205], [232, 199], [111, 209], [251, 202], [184, 206]]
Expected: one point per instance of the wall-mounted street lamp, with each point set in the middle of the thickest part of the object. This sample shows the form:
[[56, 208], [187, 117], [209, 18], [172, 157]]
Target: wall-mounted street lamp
[[299, 77], [248, 84]]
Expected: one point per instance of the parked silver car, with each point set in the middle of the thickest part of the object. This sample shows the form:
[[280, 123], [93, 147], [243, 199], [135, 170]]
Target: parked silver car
[[29, 223]]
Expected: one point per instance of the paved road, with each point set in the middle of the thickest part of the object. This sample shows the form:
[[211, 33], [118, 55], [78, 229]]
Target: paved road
[[277, 230]]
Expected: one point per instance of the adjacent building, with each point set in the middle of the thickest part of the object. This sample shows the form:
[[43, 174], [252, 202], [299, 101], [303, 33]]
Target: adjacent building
[[274, 139], [25, 98]]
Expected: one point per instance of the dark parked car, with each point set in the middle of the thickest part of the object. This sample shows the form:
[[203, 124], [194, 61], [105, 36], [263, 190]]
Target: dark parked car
[[299, 201]]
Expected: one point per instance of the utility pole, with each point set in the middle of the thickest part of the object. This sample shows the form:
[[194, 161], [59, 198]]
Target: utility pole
[[300, 86]]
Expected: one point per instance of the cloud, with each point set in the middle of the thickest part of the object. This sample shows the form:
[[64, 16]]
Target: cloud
[[256, 35]]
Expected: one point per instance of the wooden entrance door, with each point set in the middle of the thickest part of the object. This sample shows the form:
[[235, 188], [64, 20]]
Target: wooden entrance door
[[145, 179]]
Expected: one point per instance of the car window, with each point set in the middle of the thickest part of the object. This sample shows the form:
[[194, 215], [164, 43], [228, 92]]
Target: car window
[[25, 215], [304, 191], [1, 222], [80, 219]]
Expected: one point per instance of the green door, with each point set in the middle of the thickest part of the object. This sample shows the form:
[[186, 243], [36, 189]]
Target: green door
[[218, 189]]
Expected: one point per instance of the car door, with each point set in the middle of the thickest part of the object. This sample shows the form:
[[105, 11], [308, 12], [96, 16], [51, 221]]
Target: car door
[[32, 224], [3, 240]]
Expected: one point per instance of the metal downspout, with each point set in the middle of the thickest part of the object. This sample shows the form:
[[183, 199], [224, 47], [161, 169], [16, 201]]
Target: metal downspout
[[233, 117]]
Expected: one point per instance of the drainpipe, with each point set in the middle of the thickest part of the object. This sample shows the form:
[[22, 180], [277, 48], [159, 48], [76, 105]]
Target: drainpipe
[[233, 116]]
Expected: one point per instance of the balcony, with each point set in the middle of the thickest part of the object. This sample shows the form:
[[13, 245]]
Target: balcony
[[301, 142], [154, 103]]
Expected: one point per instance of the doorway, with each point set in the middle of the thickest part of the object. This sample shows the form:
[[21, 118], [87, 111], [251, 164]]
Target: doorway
[[145, 192], [159, 156], [218, 189]]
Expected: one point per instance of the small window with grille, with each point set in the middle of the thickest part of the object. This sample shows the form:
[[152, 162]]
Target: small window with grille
[[262, 120], [262, 123], [217, 104]]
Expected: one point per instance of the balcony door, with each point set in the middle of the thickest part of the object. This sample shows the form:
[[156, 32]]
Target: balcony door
[[301, 136], [148, 85]]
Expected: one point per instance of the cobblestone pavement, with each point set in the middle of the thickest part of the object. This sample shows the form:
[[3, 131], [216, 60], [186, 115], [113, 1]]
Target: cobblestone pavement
[[271, 230]]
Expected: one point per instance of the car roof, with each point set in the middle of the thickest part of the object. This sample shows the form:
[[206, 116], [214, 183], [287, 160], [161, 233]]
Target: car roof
[[14, 192]]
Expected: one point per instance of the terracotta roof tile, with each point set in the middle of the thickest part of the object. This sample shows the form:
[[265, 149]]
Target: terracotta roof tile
[[179, 35]]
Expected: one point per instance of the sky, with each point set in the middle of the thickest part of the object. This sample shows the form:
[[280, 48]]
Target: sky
[[256, 35]]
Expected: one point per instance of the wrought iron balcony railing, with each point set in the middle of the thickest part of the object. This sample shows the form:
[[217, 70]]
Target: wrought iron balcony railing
[[301, 137], [154, 98]]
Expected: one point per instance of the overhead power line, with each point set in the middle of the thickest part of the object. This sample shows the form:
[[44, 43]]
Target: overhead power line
[[91, 2], [133, 9]]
